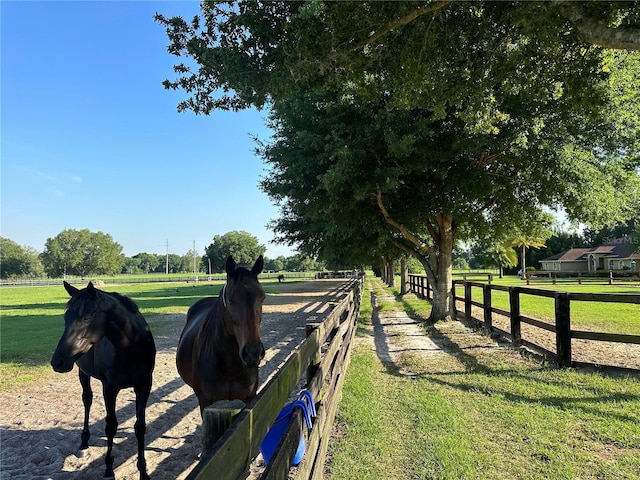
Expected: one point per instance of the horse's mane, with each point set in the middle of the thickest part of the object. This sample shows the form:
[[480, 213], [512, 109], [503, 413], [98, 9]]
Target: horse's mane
[[126, 302]]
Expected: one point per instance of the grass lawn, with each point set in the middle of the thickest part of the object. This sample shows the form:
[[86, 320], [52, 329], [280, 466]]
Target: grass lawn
[[481, 414], [32, 322]]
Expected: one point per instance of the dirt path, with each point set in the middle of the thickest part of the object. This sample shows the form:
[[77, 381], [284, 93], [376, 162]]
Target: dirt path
[[395, 336], [40, 425]]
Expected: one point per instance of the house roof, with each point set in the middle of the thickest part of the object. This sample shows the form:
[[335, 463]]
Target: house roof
[[569, 255], [619, 248]]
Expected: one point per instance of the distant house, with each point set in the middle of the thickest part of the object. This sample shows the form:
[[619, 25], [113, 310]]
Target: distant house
[[620, 254]]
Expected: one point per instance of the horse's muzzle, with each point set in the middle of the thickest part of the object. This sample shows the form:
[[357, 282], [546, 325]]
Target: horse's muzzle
[[252, 354], [59, 364]]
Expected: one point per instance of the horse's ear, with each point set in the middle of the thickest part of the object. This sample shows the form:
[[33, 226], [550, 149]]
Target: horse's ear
[[91, 289], [257, 267], [230, 266], [71, 290]]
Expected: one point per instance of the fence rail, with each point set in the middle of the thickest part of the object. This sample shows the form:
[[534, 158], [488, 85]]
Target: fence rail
[[611, 277], [323, 356], [561, 327], [124, 279]]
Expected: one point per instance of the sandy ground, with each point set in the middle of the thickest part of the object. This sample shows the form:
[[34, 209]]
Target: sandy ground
[[40, 425], [597, 353]]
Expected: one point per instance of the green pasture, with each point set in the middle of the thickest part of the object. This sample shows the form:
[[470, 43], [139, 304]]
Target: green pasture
[[31, 320], [480, 413]]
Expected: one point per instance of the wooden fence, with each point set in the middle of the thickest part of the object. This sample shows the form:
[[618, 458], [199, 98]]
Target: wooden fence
[[561, 327], [150, 278], [323, 357], [618, 276]]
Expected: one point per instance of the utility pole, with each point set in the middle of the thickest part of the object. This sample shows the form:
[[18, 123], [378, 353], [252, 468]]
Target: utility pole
[[166, 268], [194, 260]]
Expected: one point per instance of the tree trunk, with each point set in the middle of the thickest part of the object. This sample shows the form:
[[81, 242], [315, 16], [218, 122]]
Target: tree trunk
[[383, 270], [523, 261], [392, 273], [442, 304], [404, 276], [437, 259]]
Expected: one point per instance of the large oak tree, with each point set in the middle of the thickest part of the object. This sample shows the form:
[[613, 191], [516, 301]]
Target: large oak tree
[[418, 123]]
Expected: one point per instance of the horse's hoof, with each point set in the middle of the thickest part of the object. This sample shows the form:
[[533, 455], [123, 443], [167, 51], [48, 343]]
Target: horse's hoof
[[83, 452]]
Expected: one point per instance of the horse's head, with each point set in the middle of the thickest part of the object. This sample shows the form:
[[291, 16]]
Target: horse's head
[[84, 324], [242, 298]]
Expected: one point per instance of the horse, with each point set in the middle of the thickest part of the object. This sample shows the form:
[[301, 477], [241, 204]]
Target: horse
[[220, 348], [108, 338]]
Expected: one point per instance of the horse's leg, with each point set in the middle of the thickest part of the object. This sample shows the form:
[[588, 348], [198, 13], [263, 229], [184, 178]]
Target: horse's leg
[[111, 427], [140, 427], [87, 399]]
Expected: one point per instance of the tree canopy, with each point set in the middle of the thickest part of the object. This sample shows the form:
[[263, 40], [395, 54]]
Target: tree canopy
[[429, 122], [244, 247], [249, 53], [81, 252], [18, 261]]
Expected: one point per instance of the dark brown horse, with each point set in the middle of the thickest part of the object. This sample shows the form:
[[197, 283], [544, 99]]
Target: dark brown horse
[[108, 338], [220, 348]]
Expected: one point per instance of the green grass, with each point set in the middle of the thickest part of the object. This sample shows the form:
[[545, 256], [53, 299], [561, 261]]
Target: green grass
[[32, 322], [483, 414], [593, 316]]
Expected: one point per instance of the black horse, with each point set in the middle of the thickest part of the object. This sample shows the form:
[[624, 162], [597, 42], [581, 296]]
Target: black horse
[[220, 348], [108, 338]]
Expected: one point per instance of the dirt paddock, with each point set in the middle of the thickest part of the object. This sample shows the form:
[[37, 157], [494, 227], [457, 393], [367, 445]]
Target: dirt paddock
[[596, 353], [40, 425]]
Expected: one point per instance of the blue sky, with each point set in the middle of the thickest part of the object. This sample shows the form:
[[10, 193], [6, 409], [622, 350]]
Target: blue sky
[[91, 139]]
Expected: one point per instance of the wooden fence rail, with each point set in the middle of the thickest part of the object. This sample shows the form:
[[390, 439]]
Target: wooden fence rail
[[617, 276], [323, 356], [562, 327]]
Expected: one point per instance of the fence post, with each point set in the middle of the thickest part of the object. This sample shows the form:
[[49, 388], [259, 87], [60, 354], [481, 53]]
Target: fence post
[[563, 328], [312, 369], [610, 278], [467, 300], [488, 311], [216, 418], [579, 278], [514, 302], [453, 297]]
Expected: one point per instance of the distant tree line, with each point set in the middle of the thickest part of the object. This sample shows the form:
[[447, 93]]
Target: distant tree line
[[86, 253], [81, 252]]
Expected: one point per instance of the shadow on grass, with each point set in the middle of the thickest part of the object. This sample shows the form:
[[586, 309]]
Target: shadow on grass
[[518, 377]]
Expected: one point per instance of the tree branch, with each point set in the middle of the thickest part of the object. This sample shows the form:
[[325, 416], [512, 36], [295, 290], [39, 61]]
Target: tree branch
[[414, 252], [420, 245], [597, 33], [398, 22]]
